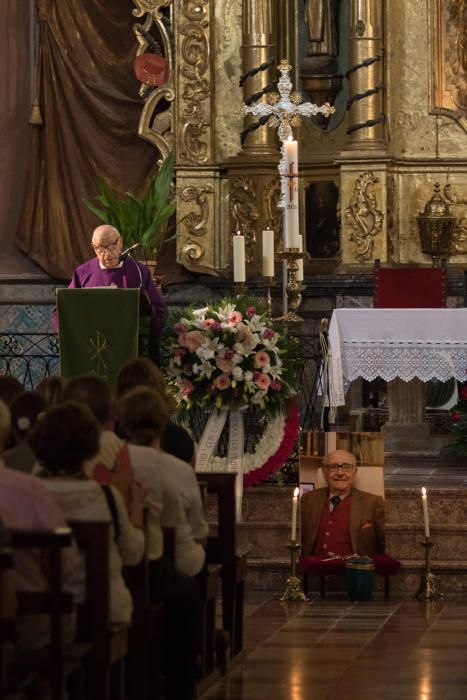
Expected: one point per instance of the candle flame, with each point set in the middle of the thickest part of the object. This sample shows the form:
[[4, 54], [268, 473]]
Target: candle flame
[[296, 492], [423, 491], [238, 232], [290, 138]]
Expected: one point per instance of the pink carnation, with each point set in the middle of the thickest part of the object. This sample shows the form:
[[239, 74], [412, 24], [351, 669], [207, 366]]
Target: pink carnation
[[228, 353], [178, 327], [222, 382], [251, 310], [263, 381], [262, 359], [276, 386]]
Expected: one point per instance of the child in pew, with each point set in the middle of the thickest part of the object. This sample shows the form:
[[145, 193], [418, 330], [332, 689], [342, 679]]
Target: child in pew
[[63, 440], [25, 504], [25, 410]]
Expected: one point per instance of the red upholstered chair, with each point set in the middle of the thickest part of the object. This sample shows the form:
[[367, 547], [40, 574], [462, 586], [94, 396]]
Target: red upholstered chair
[[409, 287], [385, 566]]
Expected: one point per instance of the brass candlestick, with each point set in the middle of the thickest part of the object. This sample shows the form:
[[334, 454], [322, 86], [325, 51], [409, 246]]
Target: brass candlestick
[[239, 289], [294, 288], [293, 588], [269, 283], [428, 589]]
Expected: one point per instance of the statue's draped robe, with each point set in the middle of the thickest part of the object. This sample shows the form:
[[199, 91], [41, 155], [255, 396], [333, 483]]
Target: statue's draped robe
[[90, 106]]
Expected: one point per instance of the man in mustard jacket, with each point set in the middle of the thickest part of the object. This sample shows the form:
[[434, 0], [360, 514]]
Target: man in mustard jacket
[[341, 520]]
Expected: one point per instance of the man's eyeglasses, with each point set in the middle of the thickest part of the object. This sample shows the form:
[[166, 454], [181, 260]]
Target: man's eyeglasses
[[111, 247], [345, 467]]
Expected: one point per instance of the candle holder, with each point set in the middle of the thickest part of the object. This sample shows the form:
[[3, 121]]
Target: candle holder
[[239, 289], [269, 283], [294, 288], [293, 588], [428, 589]]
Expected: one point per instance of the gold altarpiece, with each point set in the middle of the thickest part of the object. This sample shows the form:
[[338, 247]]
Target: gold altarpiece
[[404, 127]]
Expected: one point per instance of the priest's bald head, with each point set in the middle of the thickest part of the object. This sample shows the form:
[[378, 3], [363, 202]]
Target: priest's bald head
[[107, 243]]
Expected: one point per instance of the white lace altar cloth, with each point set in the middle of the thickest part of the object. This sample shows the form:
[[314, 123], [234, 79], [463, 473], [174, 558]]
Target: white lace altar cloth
[[391, 343]]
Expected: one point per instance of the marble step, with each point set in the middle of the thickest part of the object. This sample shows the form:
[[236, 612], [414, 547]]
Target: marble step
[[268, 540], [450, 577], [403, 505]]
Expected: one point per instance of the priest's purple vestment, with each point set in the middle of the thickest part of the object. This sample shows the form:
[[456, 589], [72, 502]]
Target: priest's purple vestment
[[129, 274]]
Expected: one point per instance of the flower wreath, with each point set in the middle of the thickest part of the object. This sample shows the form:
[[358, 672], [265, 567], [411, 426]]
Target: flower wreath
[[271, 452]]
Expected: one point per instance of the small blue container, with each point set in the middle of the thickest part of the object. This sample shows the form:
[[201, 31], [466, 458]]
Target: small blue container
[[359, 577]]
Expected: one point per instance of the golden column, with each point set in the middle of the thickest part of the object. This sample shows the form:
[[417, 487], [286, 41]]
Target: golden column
[[366, 129], [258, 50]]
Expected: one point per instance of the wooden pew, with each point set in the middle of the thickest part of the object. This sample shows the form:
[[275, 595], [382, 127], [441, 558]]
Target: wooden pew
[[110, 642], [221, 549], [57, 663], [7, 614]]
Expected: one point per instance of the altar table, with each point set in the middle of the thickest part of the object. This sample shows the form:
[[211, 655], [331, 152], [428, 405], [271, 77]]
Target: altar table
[[395, 343]]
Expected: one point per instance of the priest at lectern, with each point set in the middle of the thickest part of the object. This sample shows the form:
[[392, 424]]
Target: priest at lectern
[[112, 268]]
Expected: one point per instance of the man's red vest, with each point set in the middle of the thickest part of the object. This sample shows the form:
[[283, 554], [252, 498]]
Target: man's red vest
[[334, 531]]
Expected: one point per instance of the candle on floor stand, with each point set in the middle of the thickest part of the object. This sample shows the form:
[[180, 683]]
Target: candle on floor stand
[[425, 513], [294, 514], [238, 242], [268, 253]]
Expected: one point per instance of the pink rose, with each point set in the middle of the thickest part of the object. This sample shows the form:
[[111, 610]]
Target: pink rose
[[251, 310], [262, 359], [178, 327], [263, 381], [224, 364], [186, 387], [246, 338], [222, 382], [276, 386], [234, 318], [191, 340], [268, 333]]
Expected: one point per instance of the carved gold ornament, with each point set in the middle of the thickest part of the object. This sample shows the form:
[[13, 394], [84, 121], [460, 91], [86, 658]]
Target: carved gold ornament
[[364, 217], [244, 211], [196, 222]]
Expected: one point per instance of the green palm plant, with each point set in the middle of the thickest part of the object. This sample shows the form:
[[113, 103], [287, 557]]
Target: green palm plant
[[140, 219]]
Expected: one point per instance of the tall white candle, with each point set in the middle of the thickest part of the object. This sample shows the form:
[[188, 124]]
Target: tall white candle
[[291, 216], [425, 512], [268, 253], [300, 260], [294, 514], [238, 242]]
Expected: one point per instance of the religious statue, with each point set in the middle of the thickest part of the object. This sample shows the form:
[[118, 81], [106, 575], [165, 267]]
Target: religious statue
[[322, 17]]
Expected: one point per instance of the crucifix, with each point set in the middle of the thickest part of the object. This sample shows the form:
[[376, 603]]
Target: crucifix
[[285, 110]]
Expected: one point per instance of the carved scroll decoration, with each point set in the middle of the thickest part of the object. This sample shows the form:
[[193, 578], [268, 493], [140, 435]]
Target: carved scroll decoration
[[364, 217], [272, 214], [194, 86], [448, 28], [245, 214], [459, 241], [196, 224], [156, 124]]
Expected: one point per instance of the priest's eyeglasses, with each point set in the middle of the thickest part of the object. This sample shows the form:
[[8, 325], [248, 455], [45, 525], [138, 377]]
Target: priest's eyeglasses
[[111, 247], [345, 467]]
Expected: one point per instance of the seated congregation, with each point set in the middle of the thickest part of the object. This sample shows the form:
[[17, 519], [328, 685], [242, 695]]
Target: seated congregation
[[106, 589]]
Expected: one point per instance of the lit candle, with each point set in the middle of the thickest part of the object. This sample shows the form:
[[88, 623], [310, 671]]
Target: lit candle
[[291, 219], [268, 253], [294, 514], [300, 260], [425, 512], [239, 257]]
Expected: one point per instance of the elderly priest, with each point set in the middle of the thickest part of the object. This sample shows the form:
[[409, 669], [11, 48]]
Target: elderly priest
[[112, 269]]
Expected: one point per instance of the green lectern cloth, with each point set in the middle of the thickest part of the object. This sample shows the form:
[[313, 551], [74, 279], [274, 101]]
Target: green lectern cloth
[[98, 330]]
